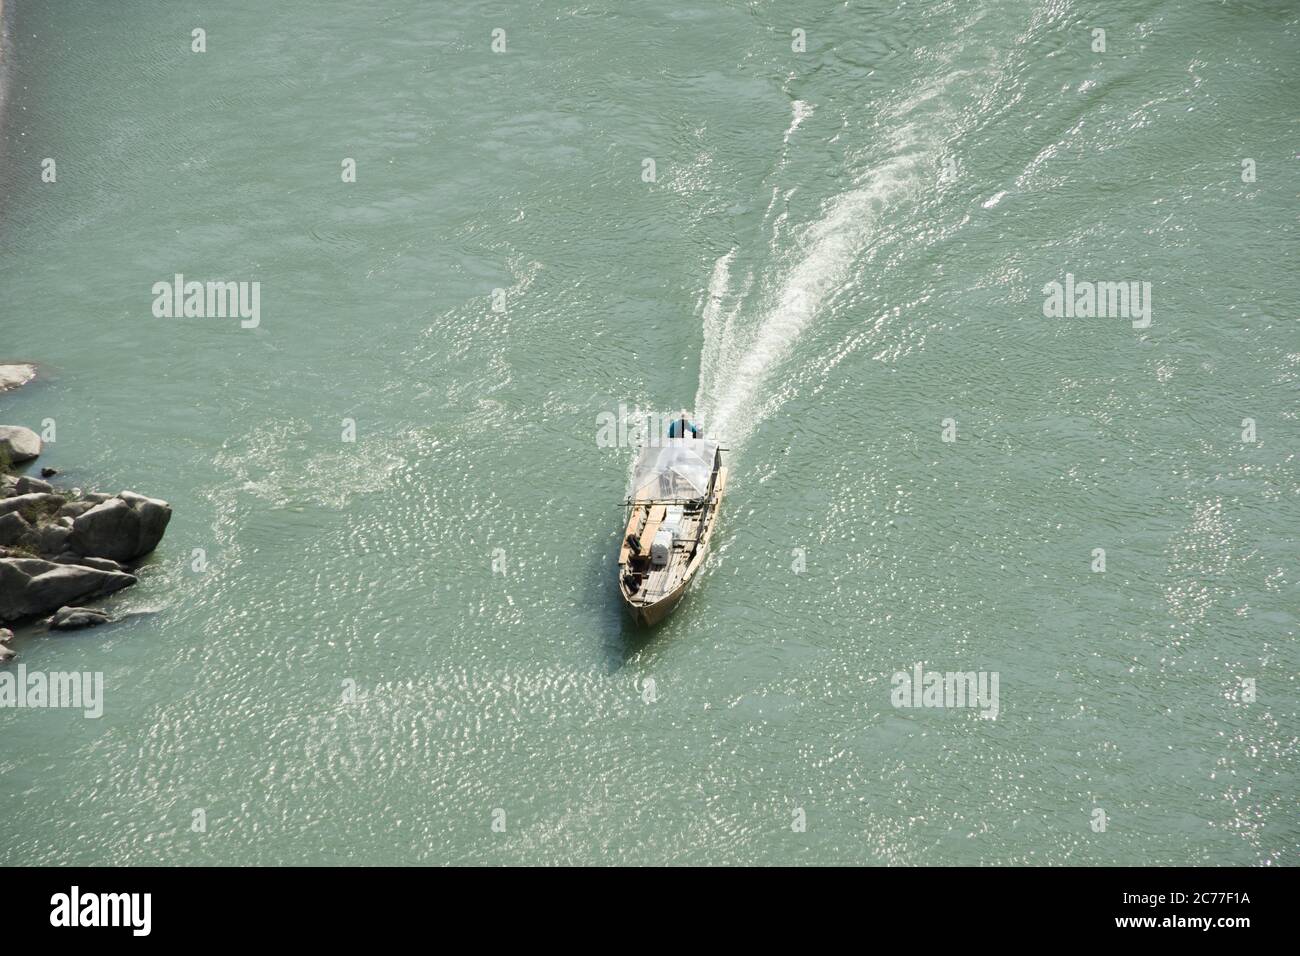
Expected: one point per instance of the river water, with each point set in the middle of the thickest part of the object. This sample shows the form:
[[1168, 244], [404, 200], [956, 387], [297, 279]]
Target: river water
[[383, 626]]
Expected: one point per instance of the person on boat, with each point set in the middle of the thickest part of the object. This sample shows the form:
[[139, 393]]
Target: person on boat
[[683, 426]]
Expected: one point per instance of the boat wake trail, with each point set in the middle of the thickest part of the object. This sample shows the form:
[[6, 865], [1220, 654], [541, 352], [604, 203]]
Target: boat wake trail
[[744, 342], [821, 265]]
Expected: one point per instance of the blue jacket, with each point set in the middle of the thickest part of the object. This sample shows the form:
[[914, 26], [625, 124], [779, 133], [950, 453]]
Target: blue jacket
[[675, 429]]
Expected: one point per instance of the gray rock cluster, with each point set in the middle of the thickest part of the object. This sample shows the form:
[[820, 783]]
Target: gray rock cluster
[[31, 586], [61, 547]]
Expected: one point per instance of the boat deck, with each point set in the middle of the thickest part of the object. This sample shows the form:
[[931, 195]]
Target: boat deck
[[660, 582]]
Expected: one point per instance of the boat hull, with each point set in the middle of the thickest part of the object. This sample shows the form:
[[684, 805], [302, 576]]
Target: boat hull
[[648, 614]]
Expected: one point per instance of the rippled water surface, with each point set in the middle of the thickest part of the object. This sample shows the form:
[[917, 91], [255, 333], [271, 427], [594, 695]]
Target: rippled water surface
[[841, 249]]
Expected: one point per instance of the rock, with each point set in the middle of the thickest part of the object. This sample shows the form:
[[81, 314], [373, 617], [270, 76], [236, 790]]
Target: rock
[[74, 508], [11, 376], [94, 497], [49, 472], [27, 485], [123, 528], [30, 586], [6, 654], [13, 528], [8, 484], [50, 538], [18, 443], [38, 500], [6, 636], [103, 564], [67, 618]]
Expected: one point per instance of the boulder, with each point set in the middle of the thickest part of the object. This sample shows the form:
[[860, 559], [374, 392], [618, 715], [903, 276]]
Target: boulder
[[18, 443], [123, 528], [103, 564], [68, 618], [8, 485], [11, 376], [6, 654], [74, 508], [30, 586], [13, 528], [38, 500], [51, 538], [27, 485], [49, 472], [6, 636]]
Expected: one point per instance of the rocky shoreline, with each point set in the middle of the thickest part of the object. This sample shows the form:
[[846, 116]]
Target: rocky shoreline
[[59, 547]]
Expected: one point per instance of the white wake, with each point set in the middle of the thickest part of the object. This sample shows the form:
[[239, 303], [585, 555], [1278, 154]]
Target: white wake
[[751, 330], [742, 348]]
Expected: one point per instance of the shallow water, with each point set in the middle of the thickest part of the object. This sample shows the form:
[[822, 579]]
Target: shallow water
[[811, 274]]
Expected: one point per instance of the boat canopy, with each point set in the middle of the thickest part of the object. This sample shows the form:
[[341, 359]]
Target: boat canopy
[[675, 468]]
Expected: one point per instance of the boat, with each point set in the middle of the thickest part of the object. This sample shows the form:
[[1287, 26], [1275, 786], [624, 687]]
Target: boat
[[673, 501]]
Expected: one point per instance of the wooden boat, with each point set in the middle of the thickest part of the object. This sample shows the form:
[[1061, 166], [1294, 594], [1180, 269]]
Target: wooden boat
[[677, 488]]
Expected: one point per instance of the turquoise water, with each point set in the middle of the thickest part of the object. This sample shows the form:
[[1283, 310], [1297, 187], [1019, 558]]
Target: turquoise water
[[841, 249]]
